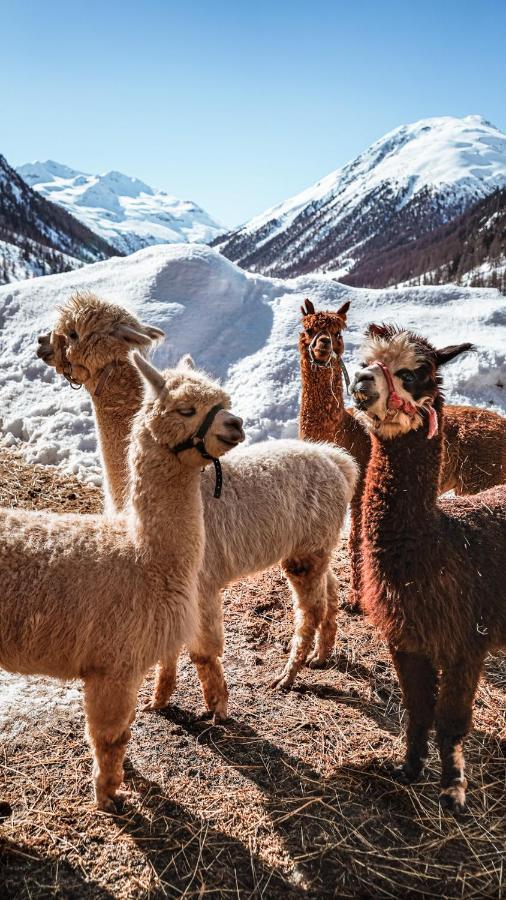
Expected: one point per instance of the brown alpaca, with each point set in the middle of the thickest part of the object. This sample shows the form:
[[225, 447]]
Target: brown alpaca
[[433, 577], [103, 599], [474, 453]]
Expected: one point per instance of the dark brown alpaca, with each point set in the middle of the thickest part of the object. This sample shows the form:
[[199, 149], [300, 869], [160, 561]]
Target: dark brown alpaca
[[474, 456], [433, 576]]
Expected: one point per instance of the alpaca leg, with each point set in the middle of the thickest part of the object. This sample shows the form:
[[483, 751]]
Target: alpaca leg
[[206, 653], [165, 683], [308, 580], [355, 551], [418, 681], [454, 712], [326, 634], [109, 705]]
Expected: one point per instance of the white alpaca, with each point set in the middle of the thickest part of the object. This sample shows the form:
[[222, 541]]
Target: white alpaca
[[103, 599], [283, 501]]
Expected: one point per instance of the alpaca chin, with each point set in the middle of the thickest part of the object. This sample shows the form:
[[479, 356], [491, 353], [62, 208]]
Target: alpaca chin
[[389, 427]]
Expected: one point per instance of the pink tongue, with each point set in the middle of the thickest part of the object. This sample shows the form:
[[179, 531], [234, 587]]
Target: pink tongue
[[433, 426]]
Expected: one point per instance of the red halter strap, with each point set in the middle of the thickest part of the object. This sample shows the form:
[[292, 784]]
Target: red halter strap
[[405, 406]]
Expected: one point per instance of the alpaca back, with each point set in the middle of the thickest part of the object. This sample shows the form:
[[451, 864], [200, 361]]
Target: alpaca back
[[280, 498], [476, 528]]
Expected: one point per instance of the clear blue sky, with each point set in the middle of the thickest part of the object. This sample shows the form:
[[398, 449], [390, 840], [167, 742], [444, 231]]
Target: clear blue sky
[[238, 105]]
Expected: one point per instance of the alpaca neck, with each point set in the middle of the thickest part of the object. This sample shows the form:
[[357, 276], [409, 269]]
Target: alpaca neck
[[401, 488], [322, 413], [166, 512], [115, 405]]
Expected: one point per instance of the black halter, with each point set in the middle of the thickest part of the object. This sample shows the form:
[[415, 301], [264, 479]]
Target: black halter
[[196, 442]]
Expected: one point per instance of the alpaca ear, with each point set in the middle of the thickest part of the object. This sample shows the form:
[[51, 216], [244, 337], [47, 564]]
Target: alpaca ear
[[150, 374], [156, 334], [448, 353], [132, 336], [307, 308], [373, 330], [344, 309], [186, 362]]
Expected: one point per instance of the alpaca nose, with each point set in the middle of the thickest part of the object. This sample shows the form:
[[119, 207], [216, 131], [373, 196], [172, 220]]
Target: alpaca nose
[[233, 424], [363, 379], [324, 341], [363, 389], [44, 349]]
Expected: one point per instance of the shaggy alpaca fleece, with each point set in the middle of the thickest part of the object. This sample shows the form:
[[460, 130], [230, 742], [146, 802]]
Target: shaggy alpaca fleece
[[433, 572], [474, 450], [281, 500], [102, 600]]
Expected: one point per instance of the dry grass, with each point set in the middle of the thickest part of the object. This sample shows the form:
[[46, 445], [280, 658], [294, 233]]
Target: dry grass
[[291, 799]]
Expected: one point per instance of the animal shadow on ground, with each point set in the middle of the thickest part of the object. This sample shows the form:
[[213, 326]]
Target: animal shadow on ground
[[357, 832], [186, 851], [22, 867]]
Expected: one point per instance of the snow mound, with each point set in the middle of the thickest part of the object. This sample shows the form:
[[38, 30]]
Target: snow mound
[[240, 327], [126, 212]]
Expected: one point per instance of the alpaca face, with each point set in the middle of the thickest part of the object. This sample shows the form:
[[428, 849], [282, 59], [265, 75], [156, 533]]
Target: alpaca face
[[89, 334], [178, 401], [398, 383], [321, 336]]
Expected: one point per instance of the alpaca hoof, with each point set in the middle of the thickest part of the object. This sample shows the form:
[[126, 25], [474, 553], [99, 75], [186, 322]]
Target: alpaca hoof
[[154, 706], [453, 799], [406, 774], [220, 718], [107, 805], [283, 682], [317, 660], [5, 809], [112, 804]]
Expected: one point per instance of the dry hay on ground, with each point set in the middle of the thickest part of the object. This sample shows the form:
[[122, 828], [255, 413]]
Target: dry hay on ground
[[291, 799]]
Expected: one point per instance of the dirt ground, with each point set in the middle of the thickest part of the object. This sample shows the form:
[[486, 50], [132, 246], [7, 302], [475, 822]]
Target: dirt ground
[[292, 798]]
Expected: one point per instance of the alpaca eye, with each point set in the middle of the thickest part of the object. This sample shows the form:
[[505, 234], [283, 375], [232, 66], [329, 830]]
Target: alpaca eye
[[73, 335], [309, 332], [406, 375], [189, 411]]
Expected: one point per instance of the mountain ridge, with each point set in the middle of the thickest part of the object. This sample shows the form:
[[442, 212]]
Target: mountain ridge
[[38, 237], [124, 210], [414, 179]]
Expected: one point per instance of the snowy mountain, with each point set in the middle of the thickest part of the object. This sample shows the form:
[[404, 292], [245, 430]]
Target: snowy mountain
[[239, 326], [37, 237], [126, 212], [413, 180]]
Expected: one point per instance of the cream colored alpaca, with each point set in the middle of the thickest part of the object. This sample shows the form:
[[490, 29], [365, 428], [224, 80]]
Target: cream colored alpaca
[[103, 599], [282, 500]]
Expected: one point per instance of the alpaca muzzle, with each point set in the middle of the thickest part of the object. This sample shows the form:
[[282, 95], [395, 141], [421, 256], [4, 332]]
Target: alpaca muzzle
[[45, 350], [197, 442]]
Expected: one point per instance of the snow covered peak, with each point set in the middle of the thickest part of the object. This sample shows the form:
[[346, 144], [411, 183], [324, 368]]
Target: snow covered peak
[[417, 176], [36, 172], [128, 213], [124, 185], [467, 152]]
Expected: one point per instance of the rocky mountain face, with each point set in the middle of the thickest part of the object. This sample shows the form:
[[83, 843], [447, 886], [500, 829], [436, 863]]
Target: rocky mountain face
[[470, 249], [39, 238]]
